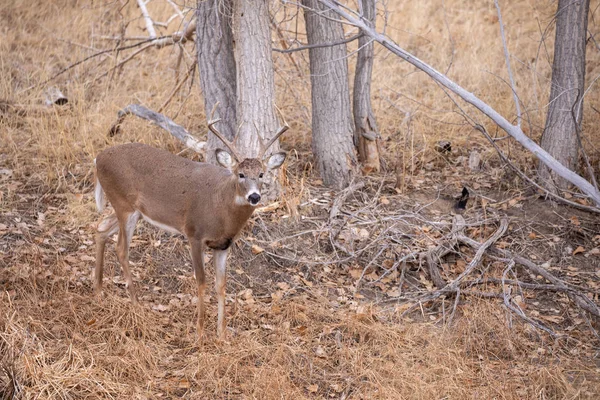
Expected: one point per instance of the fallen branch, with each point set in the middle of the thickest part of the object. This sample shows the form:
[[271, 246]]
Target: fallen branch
[[161, 120], [481, 248], [512, 306], [573, 292], [531, 181]]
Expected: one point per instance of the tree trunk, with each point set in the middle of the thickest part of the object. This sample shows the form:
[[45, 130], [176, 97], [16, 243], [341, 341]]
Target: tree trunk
[[256, 88], [331, 116], [565, 111], [214, 41], [256, 116], [366, 134]]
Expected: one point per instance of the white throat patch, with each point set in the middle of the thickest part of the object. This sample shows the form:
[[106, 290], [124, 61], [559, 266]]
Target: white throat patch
[[240, 200]]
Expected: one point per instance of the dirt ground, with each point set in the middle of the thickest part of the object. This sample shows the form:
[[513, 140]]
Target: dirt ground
[[319, 304]]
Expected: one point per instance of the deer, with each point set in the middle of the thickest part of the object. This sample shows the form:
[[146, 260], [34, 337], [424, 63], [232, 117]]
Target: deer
[[209, 204]]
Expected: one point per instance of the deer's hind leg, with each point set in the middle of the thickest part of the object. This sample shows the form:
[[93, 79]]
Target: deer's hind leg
[[127, 222], [197, 251], [106, 228]]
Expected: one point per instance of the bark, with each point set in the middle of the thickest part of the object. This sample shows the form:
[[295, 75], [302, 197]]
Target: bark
[[565, 111], [216, 62], [366, 134], [514, 131], [331, 116]]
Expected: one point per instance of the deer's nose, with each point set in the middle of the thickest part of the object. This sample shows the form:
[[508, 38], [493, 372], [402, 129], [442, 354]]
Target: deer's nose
[[254, 198]]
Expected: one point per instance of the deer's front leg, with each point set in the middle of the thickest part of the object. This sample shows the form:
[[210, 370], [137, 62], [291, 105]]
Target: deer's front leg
[[220, 257], [197, 251], [106, 228]]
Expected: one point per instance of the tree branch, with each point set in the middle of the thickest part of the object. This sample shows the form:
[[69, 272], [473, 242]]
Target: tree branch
[[161, 120], [147, 19]]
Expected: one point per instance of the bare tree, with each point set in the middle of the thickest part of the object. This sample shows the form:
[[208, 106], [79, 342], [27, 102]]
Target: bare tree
[[217, 67], [565, 111], [366, 134], [514, 131], [331, 116]]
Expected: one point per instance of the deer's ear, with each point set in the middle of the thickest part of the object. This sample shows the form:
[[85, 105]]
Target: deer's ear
[[225, 159], [276, 160]]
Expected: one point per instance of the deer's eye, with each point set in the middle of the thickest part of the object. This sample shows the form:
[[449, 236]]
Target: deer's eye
[[260, 175], [241, 176]]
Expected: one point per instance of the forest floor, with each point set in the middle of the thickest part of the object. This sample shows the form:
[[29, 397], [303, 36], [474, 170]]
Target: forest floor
[[329, 294]]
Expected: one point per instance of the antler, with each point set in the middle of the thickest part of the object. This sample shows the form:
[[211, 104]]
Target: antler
[[280, 132], [214, 130]]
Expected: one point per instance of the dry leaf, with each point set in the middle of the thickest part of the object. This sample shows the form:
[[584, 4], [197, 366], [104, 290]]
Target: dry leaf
[[578, 250], [337, 388], [301, 330], [355, 273], [320, 352], [312, 388], [41, 218], [552, 318], [278, 295], [256, 249], [575, 221], [513, 202], [184, 383], [160, 307], [306, 282]]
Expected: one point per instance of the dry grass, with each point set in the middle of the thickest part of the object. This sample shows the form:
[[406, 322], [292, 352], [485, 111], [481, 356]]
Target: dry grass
[[58, 341]]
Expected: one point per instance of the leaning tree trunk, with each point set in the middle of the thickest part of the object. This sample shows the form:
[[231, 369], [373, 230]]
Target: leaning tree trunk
[[216, 62], [331, 117], [366, 134], [256, 84], [565, 111]]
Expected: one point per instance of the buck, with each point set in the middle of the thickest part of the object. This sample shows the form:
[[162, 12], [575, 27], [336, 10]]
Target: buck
[[208, 204]]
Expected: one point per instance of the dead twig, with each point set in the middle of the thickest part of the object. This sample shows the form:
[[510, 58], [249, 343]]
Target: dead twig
[[178, 87], [341, 198]]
